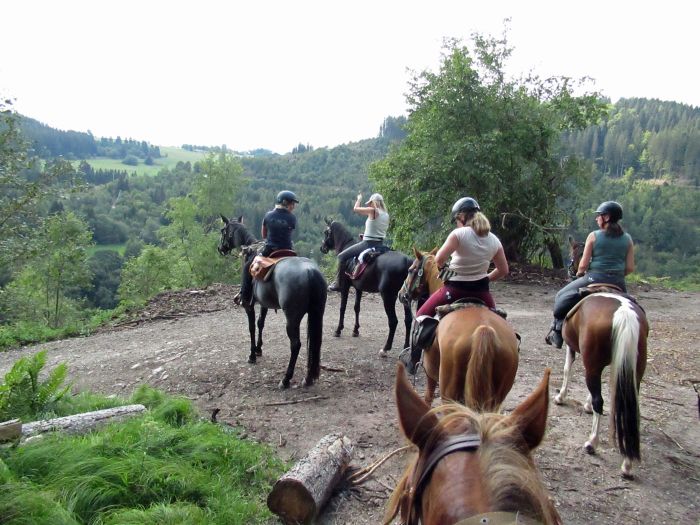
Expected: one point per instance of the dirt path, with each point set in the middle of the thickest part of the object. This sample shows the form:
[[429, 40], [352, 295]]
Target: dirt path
[[197, 344]]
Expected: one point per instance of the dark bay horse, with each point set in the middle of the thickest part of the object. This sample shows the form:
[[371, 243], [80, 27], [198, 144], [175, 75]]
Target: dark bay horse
[[608, 329], [471, 467], [475, 352], [384, 276], [298, 287]]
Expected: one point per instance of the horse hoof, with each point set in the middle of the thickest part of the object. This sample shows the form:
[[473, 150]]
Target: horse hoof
[[336, 333], [383, 353], [627, 475], [252, 360], [258, 352], [356, 334], [558, 400], [307, 382], [589, 448], [284, 384]]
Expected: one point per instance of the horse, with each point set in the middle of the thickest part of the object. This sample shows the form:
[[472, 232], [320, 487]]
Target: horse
[[475, 351], [298, 287], [608, 329], [471, 467], [384, 276]]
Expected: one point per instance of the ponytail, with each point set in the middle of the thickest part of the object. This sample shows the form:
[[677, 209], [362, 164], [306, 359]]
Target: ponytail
[[480, 224]]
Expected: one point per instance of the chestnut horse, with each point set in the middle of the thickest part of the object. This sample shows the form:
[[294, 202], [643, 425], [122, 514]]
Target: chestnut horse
[[475, 352], [471, 467], [608, 329]]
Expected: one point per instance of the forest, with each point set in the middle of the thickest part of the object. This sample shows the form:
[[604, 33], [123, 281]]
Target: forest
[[79, 243]]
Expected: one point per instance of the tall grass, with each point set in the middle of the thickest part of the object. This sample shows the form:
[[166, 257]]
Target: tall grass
[[165, 467]]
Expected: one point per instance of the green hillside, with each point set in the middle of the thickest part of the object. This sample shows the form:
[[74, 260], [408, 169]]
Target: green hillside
[[169, 159]]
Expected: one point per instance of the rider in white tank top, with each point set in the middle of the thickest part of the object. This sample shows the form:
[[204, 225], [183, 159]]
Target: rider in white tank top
[[470, 261]]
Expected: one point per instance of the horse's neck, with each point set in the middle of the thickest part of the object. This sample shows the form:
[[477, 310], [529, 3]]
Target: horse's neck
[[345, 240], [434, 282]]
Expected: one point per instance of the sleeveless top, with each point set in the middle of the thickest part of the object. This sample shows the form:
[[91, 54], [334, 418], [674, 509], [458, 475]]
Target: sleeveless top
[[609, 254], [375, 229], [471, 259]]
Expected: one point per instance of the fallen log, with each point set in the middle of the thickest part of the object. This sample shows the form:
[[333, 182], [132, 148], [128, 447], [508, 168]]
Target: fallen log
[[298, 496], [81, 423], [10, 430]]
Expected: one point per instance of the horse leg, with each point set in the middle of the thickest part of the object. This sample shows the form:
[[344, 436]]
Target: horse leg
[[261, 325], [390, 309], [294, 346], [343, 304], [358, 298], [408, 321], [570, 357], [594, 387], [250, 312]]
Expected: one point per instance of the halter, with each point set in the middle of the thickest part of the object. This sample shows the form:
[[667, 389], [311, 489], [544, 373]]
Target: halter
[[417, 281], [462, 443]]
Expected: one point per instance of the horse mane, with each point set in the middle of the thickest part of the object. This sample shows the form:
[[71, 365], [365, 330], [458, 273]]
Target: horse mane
[[341, 234], [243, 233], [510, 477]]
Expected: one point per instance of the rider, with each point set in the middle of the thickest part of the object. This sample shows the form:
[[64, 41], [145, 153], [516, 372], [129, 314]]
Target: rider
[[277, 227], [474, 248], [608, 256], [376, 226]]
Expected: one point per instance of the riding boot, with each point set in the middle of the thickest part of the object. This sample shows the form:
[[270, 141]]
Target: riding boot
[[335, 286], [554, 336], [422, 336]]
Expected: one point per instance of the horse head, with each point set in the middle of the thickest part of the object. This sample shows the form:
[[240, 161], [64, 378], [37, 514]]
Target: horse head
[[328, 242], [234, 234], [470, 465], [417, 281], [575, 254]]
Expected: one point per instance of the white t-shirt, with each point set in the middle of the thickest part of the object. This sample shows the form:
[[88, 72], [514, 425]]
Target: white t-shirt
[[470, 261]]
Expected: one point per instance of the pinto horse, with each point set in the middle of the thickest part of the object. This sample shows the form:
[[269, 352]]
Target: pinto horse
[[384, 276], [297, 287], [475, 352], [471, 467], [608, 329]]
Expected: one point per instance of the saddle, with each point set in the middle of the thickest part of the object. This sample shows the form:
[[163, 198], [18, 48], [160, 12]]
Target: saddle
[[600, 288], [363, 260], [467, 302], [262, 267]]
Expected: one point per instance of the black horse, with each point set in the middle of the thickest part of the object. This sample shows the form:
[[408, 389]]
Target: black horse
[[297, 286], [385, 276]]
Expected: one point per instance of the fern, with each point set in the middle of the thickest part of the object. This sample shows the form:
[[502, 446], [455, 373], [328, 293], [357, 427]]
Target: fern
[[24, 395]]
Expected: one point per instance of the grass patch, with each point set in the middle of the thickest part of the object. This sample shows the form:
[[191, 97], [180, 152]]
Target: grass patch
[[171, 156], [119, 248], [164, 467]]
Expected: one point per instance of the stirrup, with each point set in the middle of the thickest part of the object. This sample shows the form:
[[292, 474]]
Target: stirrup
[[405, 358], [554, 338]]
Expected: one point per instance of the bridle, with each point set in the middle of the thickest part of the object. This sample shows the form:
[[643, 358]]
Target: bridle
[[575, 260], [414, 285], [419, 480]]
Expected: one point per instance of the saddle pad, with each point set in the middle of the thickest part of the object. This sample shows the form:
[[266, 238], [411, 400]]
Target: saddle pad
[[467, 302]]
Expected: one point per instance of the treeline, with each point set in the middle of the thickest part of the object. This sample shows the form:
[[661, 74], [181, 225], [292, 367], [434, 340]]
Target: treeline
[[653, 139], [47, 142]]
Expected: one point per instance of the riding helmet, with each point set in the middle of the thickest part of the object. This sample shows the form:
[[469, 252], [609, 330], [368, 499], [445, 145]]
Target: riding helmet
[[465, 205], [612, 209], [285, 197]]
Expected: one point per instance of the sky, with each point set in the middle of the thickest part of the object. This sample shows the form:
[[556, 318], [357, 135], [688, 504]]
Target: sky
[[273, 74]]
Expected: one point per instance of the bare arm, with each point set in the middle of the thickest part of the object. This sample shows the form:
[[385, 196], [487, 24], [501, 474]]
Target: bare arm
[[629, 261], [587, 255], [369, 211], [448, 247], [501, 263]]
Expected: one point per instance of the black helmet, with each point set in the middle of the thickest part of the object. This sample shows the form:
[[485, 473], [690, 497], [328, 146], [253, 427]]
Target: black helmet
[[286, 196], [611, 208], [465, 205]]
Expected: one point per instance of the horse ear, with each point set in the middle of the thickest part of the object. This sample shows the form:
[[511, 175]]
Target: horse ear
[[240, 219], [415, 419], [224, 219], [572, 242], [434, 250], [417, 253], [328, 220], [531, 415]]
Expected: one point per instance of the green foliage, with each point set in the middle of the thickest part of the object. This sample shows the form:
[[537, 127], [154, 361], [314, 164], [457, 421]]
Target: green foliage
[[24, 395], [144, 276], [146, 470], [22, 503], [473, 132]]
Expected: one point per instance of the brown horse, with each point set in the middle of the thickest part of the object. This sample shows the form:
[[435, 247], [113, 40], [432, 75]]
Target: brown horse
[[475, 352], [471, 467], [608, 329]]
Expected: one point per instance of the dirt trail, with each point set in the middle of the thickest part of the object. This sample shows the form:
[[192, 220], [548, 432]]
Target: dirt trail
[[196, 344]]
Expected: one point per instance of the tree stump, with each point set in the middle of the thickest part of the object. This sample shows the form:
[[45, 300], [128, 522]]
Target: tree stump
[[299, 495]]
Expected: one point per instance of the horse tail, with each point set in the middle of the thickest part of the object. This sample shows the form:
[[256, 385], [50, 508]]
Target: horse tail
[[624, 414], [314, 324], [479, 390]]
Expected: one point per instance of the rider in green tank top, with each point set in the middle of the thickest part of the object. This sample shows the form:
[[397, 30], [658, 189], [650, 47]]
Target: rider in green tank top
[[607, 257]]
